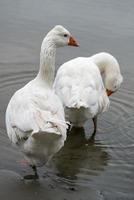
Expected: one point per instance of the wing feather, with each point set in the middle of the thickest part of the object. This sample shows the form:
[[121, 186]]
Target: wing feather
[[28, 113]]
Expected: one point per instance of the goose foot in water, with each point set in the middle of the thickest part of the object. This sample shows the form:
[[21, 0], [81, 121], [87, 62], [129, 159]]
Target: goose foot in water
[[70, 126], [32, 176], [95, 128]]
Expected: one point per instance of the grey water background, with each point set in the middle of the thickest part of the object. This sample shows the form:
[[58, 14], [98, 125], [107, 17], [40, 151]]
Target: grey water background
[[103, 169]]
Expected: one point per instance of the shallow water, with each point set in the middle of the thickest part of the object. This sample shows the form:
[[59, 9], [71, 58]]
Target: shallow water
[[102, 169]]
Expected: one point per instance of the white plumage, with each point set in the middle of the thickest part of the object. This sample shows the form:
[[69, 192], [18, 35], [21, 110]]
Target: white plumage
[[80, 86], [35, 116], [35, 122]]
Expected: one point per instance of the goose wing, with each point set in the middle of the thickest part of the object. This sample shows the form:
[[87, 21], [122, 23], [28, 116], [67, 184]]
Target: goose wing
[[28, 113]]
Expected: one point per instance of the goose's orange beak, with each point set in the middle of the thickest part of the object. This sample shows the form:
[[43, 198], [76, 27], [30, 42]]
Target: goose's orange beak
[[109, 92], [72, 42]]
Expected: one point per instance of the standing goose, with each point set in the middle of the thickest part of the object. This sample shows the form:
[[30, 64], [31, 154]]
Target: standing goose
[[35, 115], [80, 86]]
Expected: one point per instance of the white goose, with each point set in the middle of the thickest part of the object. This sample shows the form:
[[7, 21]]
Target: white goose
[[35, 115], [80, 86]]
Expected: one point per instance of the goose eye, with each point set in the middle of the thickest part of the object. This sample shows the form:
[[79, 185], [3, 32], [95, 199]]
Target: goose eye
[[65, 35]]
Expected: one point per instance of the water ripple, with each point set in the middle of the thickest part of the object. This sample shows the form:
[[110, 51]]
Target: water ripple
[[109, 157]]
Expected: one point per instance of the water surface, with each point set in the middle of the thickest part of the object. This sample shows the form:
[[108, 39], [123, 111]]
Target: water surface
[[102, 169]]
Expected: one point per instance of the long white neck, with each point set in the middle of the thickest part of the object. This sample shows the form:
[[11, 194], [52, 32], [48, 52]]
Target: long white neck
[[47, 62], [106, 63]]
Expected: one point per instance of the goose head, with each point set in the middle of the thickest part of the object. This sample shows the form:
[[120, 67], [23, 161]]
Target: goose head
[[110, 71], [113, 83], [62, 37]]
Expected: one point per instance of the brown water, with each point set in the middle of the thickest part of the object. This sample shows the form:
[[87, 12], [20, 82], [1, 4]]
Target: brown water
[[103, 169]]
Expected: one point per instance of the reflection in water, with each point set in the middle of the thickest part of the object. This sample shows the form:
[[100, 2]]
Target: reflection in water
[[79, 158], [22, 30], [33, 190]]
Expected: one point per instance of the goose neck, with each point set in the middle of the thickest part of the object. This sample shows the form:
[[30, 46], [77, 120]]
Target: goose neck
[[106, 63], [47, 62]]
